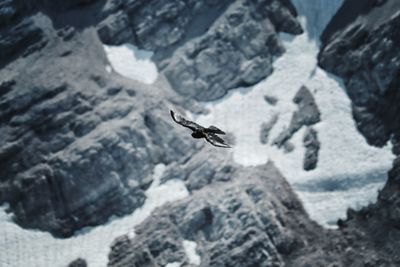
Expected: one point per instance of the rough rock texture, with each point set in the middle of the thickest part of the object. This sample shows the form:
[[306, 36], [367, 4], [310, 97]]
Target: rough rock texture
[[238, 50], [20, 32], [78, 143], [364, 53], [306, 115], [361, 46], [78, 263], [251, 219], [240, 223], [266, 127], [205, 47], [272, 100], [311, 143]]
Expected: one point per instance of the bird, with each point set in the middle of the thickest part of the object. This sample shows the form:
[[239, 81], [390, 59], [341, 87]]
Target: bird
[[209, 133]]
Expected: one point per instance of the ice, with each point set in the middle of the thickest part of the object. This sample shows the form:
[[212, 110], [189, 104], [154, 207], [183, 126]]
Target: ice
[[132, 62], [344, 153], [21, 247], [190, 249]]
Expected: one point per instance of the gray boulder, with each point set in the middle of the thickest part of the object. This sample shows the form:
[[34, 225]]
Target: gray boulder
[[312, 145], [306, 115]]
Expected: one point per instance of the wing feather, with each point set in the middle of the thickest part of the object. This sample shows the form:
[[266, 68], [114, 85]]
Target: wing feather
[[185, 123], [215, 140], [214, 129]]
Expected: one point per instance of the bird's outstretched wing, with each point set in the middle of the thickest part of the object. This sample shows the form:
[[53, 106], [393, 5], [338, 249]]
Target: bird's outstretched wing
[[215, 140], [213, 129], [185, 123]]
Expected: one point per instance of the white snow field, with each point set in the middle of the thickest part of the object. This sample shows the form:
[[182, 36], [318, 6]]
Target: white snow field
[[132, 62], [349, 171], [20, 247]]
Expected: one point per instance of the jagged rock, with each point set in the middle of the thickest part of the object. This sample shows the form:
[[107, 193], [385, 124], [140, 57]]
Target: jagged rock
[[78, 263], [362, 49], [312, 145], [78, 144], [207, 66], [233, 224], [271, 100], [210, 65], [22, 38], [364, 54], [115, 29], [306, 115], [266, 127]]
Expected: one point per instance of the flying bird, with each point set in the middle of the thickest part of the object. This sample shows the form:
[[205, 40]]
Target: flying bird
[[198, 131]]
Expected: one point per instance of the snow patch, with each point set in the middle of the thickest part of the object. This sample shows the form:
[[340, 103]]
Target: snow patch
[[21, 247], [190, 250], [132, 62]]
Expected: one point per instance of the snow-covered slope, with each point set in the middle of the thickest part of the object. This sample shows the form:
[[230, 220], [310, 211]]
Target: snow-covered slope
[[336, 183], [21, 247]]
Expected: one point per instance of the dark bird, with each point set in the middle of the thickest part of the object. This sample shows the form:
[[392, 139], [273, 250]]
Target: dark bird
[[210, 133]]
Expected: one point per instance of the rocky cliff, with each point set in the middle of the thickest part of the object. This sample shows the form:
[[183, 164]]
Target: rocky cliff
[[79, 143], [361, 46]]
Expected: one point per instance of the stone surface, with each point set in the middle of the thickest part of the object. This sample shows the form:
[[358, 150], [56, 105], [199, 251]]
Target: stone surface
[[364, 54], [312, 145], [266, 128], [306, 115], [78, 263], [235, 223], [78, 144], [236, 51], [271, 100], [361, 47]]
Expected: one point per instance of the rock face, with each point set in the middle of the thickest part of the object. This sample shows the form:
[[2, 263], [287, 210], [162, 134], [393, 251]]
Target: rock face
[[311, 143], [20, 33], [364, 53], [205, 47], [78, 263], [78, 144], [266, 127], [361, 45], [236, 223], [238, 50], [306, 115]]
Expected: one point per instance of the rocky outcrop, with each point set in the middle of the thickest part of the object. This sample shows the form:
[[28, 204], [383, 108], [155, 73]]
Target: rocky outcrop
[[364, 53], [266, 128], [271, 100], [252, 219], [312, 145], [238, 50], [360, 45], [228, 221], [306, 115], [20, 32], [78, 263], [205, 47], [78, 143]]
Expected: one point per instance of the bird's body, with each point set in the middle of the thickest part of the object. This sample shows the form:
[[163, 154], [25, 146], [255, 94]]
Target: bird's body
[[198, 131]]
